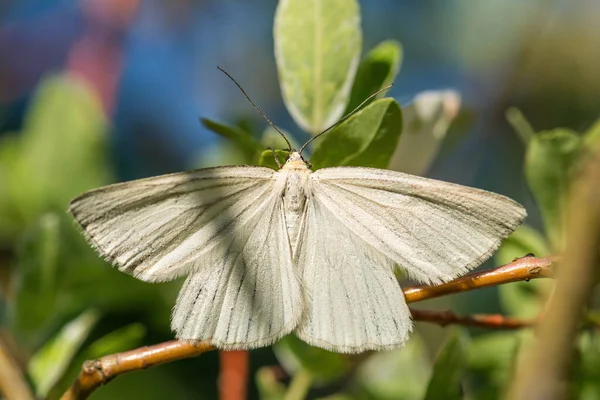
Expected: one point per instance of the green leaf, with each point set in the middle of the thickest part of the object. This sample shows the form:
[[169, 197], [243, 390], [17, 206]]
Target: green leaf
[[521, 126], [523, 299], [549, 162], [165, 382], [122, 339], [268, 386], [592, 135], [491, 360], [48, 365], [125, 338], [587, 369], [300, 385], [58, 275], [59, 154], [241, 137], [377, 70], [591, 138], [37, 276], [12, 221], [323, 365], [267, 160], [426, 122], [317, 49], [449, 368], [493, 349], [396, 374], [368, 138], [62, 148]]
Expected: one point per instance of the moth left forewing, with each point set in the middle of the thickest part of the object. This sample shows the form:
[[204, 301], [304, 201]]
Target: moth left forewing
[[224, 227], [434, 230], [156, 228], [249, 297]]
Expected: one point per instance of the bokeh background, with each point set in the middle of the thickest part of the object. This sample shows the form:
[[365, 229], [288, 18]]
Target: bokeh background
[[140, 74]]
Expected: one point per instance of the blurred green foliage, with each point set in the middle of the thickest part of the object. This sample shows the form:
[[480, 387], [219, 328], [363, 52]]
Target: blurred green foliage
[[397, 374], [63, 112], [447, 374], [59, 292], [64, 304]]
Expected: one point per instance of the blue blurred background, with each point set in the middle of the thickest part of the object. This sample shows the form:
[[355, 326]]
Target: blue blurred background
[[154, 64]]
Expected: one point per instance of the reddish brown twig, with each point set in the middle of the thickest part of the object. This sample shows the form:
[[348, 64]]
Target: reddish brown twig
[[233, 375], [490, 321], [522, 269], [97, 372]]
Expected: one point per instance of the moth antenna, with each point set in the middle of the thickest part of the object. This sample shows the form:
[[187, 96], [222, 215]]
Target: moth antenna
[[256, 108], [345, 117]]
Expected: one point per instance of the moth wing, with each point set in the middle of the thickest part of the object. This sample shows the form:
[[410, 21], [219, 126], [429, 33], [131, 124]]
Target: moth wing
[[160, 228], [250, 297], [223, 226], [434, 230], [352, 300]]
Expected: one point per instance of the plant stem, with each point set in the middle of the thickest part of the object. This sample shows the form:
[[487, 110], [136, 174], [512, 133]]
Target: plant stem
[[545, 371], [12, 382], [300, 385]]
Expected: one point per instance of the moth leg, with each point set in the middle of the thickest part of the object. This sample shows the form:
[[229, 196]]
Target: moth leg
[[275, 157]]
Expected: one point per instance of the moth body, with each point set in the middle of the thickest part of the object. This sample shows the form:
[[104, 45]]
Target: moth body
[[267, 253], [296, 175]]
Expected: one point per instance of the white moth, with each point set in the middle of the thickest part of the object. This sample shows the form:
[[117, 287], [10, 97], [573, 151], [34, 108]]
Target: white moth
[[267, 253]]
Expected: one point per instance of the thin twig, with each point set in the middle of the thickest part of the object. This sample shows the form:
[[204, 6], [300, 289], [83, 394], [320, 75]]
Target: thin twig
[[490, 321], [98, 372], [12, 382], [522, 269]]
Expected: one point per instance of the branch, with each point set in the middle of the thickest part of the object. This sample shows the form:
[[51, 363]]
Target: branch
[[522, 269], [12, 382], [98, 372], [490, 321]]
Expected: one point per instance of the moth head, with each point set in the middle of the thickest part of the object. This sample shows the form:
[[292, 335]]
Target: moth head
[[296, 161], [295, 156]]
